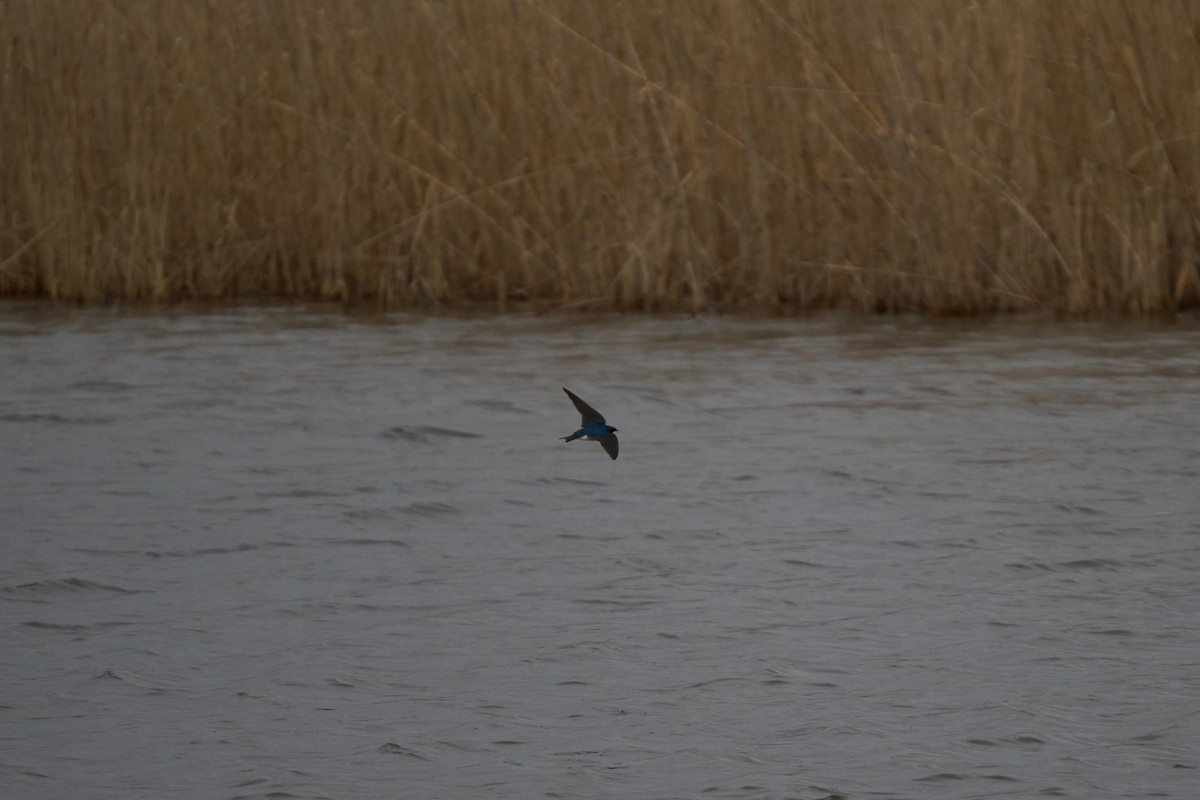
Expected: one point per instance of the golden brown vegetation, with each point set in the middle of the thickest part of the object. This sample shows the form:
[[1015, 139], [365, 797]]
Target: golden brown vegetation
[[945, 156]]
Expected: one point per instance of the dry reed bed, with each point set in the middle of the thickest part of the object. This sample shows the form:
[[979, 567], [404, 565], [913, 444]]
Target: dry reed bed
[[758, 155]]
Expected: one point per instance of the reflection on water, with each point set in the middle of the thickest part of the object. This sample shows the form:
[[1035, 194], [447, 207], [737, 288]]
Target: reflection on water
[[275, 554]]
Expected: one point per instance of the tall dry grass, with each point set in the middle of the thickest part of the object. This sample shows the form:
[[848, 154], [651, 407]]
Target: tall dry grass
[[928, 155]]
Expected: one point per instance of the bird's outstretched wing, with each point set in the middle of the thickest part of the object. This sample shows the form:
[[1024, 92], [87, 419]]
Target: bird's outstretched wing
[[590, 415], [609, 443]]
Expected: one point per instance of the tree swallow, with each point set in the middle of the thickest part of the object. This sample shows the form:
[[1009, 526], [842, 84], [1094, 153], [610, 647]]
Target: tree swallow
[[594, 429]]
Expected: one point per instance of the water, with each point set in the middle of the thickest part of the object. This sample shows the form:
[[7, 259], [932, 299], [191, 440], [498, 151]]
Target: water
[[288, 555]]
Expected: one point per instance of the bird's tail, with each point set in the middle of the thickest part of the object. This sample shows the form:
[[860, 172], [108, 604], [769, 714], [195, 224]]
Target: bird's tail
[[570, 438]]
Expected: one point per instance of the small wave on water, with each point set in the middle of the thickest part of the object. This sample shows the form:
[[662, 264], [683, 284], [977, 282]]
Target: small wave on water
[[426, 433], [72, 627], [244, 547], [428, 509], [53, 419], [48, 589], [371, 542]]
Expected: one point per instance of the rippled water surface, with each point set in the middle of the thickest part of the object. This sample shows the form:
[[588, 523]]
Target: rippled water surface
[[288, 555]]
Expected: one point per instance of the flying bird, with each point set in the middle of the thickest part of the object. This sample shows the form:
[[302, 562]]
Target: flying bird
[[594, 429]]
